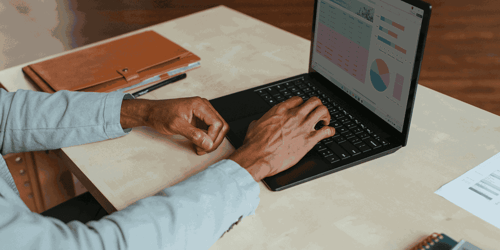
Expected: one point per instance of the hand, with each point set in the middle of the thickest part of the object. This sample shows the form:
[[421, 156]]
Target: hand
[[280, 138], [195, 118]]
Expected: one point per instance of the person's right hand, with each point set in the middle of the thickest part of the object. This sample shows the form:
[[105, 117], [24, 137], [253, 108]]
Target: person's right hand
[[280, 138]]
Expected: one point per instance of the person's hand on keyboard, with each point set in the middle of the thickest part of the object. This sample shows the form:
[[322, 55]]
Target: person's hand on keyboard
[[195, 118], [282, 137]]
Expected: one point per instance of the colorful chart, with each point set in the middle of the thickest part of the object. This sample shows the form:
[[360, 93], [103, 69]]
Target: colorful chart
[[344, 40], [379, 75]]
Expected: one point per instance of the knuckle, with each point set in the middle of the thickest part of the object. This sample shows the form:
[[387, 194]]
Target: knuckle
[[225, 128], [218, 124], [197, 99], [281, 108], [195, 134]]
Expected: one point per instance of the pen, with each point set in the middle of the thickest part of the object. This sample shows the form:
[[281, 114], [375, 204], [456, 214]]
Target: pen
[[158, 85]]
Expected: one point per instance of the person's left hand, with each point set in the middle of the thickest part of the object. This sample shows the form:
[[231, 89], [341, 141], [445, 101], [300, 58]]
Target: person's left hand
[[194, 118]]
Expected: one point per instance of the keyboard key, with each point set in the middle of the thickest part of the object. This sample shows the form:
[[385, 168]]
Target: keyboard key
[[335, 124], [327, 140], [356, 130], [351, 125], [280, 88], [344, 120], [273, 91], [350, 148], [332, 158], [354, 140], [363, 135], [341, 130], [288, 84], [280, 98], [333, 146], [336, 135], [363, 147], [326, 153], [261, 92], [267, 97], [338, 115], [272, 102], [384, 141], [371, 142], [348, 134], [286, 92], [320, 147], [339, 139], [294, 89], [333, 112]]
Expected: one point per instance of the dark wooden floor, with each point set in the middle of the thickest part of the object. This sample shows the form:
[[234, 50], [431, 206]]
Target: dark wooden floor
[[461, 58]]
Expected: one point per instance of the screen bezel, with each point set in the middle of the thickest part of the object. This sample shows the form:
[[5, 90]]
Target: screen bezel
[[402, 136]]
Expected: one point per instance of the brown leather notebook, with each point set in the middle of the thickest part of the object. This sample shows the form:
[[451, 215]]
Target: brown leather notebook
[[128, 64]]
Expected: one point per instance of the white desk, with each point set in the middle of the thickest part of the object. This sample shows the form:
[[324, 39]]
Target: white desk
[[388, 203]]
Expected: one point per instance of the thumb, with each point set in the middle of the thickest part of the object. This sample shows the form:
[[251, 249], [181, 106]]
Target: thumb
[[197, 136]]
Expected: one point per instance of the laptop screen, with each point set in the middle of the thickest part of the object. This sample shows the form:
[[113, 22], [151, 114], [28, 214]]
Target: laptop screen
[[367, 48]]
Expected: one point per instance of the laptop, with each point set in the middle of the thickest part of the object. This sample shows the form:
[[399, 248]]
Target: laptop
[[364, 65]]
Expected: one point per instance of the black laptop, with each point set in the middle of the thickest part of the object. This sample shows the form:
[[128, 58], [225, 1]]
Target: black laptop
[[364, 66]]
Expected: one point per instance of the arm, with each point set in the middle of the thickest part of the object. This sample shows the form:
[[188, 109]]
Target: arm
[[190, 215], [32, 121]]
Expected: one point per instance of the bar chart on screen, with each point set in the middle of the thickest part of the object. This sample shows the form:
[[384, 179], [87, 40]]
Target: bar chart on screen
[[344, 39]]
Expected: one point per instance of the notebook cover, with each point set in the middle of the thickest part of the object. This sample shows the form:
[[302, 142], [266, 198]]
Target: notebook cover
[[112, 66], [436, 242]]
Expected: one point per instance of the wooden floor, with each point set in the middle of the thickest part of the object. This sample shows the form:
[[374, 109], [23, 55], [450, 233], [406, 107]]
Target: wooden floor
[[461, 57]]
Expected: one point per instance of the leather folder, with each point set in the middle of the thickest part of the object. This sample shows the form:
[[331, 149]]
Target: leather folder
[[128, 64]]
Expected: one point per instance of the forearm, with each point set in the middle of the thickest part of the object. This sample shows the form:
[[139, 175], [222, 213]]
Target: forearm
[[134, 113], [190, 215], [32, 121]]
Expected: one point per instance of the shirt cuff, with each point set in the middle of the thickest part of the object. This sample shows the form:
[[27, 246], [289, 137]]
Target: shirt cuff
[[112, 110], [245, 180]]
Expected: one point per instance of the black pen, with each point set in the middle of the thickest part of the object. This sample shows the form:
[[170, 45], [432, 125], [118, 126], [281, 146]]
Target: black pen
[[158, 85]]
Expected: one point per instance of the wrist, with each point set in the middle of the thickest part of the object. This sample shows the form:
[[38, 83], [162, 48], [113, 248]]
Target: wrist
[[256, 166], [134, 113]]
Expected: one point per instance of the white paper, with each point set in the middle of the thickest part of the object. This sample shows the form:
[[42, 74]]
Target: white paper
[[477, 191]]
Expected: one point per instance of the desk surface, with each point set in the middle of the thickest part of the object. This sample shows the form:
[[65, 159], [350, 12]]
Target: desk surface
[[388, 203]]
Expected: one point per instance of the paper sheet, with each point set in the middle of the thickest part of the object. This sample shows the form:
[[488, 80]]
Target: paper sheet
[[477, 191]]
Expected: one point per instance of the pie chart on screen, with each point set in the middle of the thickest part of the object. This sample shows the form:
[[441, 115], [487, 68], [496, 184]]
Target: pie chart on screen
[[379, 75]]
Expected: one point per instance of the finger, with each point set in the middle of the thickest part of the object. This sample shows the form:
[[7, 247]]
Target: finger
[[291, 103], [322, 133], [321, 113], [252, 124], [196, 136], [310, 105], [219, 137], [211, 118]]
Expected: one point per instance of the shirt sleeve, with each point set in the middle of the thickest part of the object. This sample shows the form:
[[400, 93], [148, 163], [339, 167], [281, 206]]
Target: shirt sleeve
[[32, 121], [190, 215]]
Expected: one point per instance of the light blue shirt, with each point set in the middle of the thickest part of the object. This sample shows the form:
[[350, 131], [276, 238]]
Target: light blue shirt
[[190, 215]]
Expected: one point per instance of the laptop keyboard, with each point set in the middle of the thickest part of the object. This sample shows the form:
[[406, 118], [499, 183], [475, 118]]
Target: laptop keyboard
[[351, 138]]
